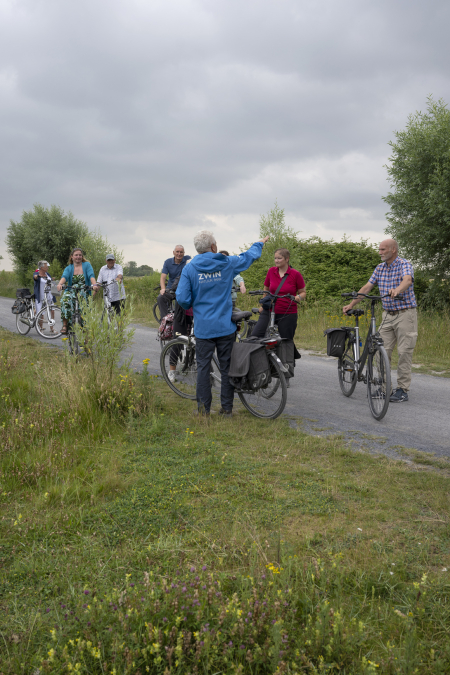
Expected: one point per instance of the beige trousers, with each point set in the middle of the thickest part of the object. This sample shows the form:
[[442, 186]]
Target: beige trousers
[[401, 329]]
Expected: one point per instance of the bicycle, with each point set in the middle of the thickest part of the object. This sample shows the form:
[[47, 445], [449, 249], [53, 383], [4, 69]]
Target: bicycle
[[180, 352], [155, 309], [351, 364], [76, 320], [26, 319], [269, 400], [109, 313], [48, 319]]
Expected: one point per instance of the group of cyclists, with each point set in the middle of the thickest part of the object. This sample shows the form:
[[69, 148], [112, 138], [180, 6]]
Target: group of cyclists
[[206, 286]]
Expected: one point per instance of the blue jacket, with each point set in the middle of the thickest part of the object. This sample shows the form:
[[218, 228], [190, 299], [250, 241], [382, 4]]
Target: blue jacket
[[205, 284], [87, 271]]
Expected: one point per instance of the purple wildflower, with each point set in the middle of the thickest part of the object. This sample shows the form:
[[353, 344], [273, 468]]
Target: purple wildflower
[[201, 643], [204, 568], [230, 644], [47, 610], [131, 585], [86, 592], [242, 647], [164, 619], [192, 569], [88, 623]]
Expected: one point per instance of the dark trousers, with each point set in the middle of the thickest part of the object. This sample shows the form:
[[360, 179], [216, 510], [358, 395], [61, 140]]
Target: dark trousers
[[118, 305], [287, 324], [204, 350], [163, 304]]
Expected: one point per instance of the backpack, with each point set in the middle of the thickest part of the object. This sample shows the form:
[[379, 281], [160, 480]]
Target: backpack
[[165, 331]]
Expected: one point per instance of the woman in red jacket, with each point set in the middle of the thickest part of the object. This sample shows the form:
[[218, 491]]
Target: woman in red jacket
[[285, 309]]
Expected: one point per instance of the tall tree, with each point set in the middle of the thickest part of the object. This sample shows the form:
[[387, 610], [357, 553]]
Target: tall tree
[[42, 233], [419, 173]]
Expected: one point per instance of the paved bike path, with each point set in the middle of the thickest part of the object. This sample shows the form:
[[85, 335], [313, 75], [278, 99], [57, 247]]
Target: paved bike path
[[317, 405]]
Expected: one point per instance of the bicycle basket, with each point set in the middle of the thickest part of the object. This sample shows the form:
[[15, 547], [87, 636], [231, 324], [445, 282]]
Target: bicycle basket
[[23, 293], [335, 341], [19, 307], [165, 331]]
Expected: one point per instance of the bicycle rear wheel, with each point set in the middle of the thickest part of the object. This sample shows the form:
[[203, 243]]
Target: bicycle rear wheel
[[268, 402], [24, 322], [378, 382], [47, 326], [347, 370]]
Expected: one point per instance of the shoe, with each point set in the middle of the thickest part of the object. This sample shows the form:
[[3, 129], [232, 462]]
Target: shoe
[[378, 394], [287, 382], [201, 412], [399, 396], [225, 413], [172, 376]]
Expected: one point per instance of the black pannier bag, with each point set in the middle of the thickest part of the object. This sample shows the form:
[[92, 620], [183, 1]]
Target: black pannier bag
[[23, 293], [335, 341], [249, 367], [286, 353], [19, 307]]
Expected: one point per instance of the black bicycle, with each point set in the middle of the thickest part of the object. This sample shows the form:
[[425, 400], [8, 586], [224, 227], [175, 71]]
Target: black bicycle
[[352, 363]]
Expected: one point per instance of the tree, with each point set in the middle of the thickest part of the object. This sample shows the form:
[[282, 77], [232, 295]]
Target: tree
[[96, 248], [419, 173], [329, 267], [42, 233]]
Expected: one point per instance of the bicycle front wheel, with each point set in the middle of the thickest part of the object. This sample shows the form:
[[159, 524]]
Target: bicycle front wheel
[[378, 382], [347, 374], [179, 368], [156, 312], [24, 322], [269, 401], [49, 322]]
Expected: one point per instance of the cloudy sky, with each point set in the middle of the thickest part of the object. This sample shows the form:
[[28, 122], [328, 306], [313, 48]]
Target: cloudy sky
[[151, 119]]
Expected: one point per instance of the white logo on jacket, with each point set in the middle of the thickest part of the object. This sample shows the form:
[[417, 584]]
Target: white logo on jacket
[[203, 276]]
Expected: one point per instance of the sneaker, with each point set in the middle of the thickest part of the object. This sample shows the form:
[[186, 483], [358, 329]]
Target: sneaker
[[172, 375], [399, 396], [225, 413]]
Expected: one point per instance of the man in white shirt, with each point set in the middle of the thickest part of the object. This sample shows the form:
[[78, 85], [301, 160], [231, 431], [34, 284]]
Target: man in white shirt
[[112, 271]]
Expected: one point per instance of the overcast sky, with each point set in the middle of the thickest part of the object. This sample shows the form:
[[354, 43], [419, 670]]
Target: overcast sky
[[152, 119]]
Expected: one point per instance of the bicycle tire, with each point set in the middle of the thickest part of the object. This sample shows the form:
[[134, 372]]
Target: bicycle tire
[[45, 323], [347, 374], [264, 404], [24, 328], [156, 312], [181, 354], [378, 382], [244, 329]]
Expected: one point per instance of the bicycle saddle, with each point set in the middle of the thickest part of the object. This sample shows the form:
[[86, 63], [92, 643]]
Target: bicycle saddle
[[240, 316], [355, 312], [255, 310]]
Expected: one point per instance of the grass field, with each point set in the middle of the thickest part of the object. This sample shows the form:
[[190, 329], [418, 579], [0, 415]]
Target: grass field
[[137, 538]]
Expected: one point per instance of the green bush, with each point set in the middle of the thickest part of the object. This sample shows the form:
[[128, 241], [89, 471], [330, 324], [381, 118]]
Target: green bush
[[329, 268]]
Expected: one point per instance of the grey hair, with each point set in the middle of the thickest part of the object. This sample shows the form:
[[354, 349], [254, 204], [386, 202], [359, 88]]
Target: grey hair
[[41, 263], [203, 241]]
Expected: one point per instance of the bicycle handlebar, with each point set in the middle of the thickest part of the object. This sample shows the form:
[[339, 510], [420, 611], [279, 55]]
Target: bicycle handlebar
[[274, 295], [355, 295]]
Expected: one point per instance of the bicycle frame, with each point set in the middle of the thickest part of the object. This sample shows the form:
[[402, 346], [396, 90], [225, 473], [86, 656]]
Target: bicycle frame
[[360, 359]]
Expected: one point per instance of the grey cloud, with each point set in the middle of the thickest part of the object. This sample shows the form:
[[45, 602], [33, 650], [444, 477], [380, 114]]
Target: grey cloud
[[169, 111]]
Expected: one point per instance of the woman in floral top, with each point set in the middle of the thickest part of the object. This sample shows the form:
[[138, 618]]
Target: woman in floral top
[[77, 275]]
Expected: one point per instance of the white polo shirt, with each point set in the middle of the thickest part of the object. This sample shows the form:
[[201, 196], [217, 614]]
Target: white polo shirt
[[115, 291]]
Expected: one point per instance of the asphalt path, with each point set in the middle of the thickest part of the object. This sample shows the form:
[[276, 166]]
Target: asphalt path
[[316, 404]]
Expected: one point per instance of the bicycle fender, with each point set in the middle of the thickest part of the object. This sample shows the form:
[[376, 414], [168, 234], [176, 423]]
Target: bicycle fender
[[275, 358]]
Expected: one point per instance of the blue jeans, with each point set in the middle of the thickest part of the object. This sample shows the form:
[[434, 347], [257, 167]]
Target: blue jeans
[[204, 350]]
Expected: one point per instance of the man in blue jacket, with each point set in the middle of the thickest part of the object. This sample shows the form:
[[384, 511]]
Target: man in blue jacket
[[205, 284]]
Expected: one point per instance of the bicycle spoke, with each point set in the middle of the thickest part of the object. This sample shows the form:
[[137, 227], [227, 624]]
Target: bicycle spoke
[[267, 402], [179, 368], [49, 322]]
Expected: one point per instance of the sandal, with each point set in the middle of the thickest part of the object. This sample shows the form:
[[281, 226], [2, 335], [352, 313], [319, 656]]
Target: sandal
[[64, 330]]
